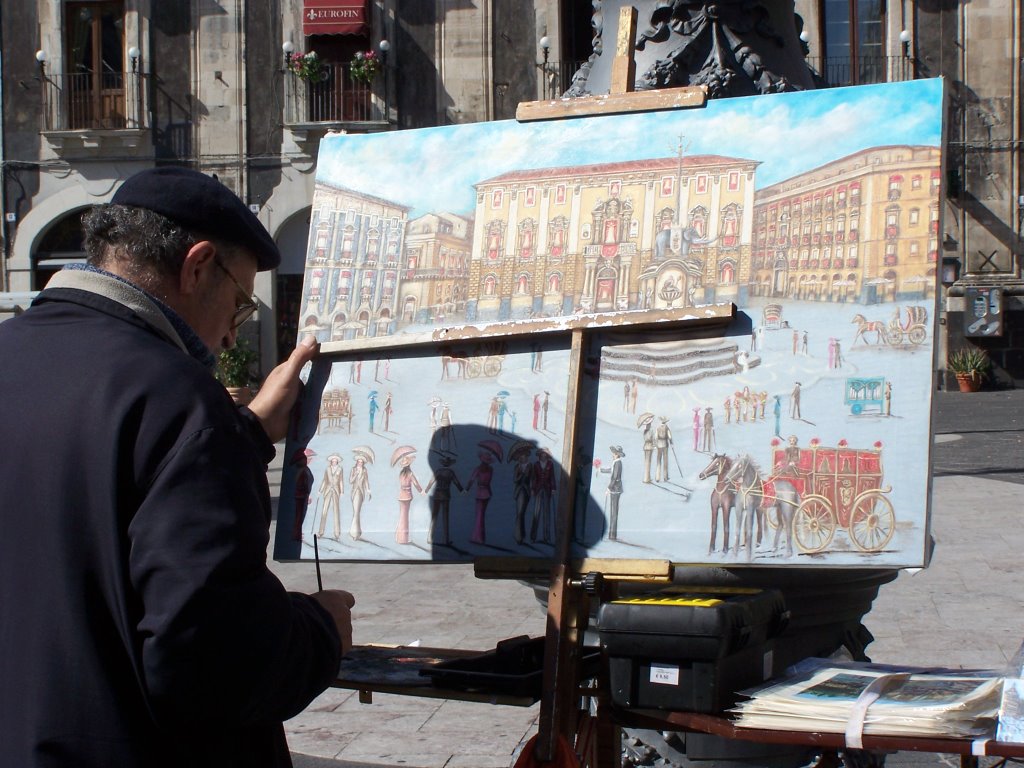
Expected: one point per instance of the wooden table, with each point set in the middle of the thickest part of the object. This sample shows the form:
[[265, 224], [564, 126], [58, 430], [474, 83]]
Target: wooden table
[[716, 725]]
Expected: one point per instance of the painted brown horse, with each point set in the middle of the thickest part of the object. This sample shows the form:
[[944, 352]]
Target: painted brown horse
[[754, 495], [723, 501], [865, 326]]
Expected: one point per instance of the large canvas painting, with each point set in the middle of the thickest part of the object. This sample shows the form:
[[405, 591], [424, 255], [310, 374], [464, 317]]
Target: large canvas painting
[[797, 434]]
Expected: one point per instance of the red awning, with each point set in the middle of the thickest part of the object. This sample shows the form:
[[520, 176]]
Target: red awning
[[334, 17]]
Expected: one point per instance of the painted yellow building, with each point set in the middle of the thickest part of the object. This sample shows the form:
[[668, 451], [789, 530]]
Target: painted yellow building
[[436, 269], [864, 228], [667, 232]]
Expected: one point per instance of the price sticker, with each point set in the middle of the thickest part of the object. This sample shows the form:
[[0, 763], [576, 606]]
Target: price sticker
[[664, 675]]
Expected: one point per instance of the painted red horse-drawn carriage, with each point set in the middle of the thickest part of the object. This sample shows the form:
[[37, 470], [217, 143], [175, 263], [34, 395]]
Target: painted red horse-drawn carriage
[[838, 487]]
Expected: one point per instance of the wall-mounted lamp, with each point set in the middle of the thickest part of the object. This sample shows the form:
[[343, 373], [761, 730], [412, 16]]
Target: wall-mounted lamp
[[134, 54], [384, 47], [905, 41], [547, 83], [805, 37], [287, 47], [41, 58]]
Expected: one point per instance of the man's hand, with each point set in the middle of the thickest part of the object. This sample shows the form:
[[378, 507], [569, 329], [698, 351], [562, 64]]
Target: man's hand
[[339, 604], [273, 403]]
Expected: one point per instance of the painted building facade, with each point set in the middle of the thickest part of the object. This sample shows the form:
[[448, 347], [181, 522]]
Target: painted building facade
[[355, 249], [668, 232], [809, 240], [435, 269]]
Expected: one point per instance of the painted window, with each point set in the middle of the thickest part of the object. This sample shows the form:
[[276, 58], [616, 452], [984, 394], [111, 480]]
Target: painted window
[[730, 227], [494, 241]]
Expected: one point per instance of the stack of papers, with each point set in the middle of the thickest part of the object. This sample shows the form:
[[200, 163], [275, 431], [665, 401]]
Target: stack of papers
[[874, 699]]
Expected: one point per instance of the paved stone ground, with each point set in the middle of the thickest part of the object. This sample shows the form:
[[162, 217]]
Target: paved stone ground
[[963, 610], [980, 435]]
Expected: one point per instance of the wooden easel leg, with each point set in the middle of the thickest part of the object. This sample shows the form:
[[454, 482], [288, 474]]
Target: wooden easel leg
[[567, 617]]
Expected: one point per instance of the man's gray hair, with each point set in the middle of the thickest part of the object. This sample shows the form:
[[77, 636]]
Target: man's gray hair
[[147, 245]]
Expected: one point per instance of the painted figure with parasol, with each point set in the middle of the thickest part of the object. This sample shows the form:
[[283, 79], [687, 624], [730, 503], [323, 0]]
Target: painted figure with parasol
[[359, 486], [403, 455], [374, 407], [522, 481], [331, 488], [502, 398], [440, 501], [490, 451]]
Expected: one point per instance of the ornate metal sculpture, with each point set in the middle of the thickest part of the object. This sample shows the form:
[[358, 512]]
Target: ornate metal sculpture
[[734, 47]]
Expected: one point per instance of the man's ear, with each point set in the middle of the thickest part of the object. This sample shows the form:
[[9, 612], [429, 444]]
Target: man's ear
[[198, 261]]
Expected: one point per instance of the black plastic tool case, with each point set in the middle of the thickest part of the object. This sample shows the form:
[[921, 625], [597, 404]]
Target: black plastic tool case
[[690, 648]]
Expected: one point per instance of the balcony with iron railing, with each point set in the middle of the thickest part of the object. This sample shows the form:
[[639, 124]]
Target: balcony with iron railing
[[863, 70], [338, 98], [89, 108], [556, 77]]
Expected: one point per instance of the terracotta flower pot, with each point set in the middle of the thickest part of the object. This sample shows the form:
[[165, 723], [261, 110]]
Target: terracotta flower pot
[[241, 395], [969, 382]]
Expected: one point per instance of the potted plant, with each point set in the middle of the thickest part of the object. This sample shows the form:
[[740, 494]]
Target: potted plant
[[307, 66], [971, 366], [364, 66], [235, 370]]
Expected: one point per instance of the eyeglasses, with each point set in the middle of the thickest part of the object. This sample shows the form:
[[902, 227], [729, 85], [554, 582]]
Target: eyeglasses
[[245, 304]]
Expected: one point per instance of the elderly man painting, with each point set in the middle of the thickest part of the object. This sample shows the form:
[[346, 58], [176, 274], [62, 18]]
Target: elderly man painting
[[139, 623]]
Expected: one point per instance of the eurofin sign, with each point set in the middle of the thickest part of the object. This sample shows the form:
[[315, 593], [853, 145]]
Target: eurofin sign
[[334, 17]]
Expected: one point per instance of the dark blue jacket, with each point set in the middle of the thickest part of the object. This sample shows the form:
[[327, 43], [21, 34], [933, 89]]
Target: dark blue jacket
[[139, 623]]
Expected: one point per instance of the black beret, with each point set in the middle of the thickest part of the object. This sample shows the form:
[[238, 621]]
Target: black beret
[[201, 204]]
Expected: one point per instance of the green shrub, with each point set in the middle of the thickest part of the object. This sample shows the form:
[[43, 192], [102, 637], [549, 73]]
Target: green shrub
[[236, 366]]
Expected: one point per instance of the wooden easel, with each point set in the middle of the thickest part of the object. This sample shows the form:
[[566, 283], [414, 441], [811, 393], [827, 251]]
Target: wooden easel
[[573, 584]]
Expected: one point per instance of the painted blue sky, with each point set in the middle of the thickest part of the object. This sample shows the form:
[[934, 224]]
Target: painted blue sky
[[433, 170]]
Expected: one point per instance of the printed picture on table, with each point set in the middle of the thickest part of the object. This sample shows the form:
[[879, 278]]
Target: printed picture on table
[[793, 437]]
